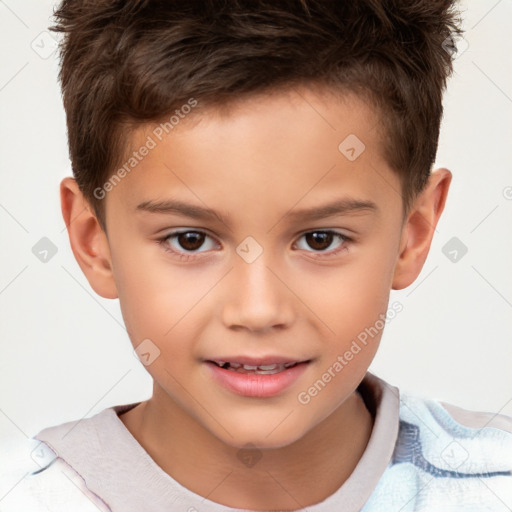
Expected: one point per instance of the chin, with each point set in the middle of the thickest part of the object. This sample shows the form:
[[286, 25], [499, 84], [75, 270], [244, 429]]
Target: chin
[[263, 437]]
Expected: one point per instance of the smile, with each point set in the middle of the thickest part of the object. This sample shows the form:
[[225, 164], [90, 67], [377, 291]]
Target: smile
[[256, 380], [267, 369]]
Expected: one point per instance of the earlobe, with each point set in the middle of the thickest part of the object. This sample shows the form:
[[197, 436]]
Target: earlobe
[[419, 228], [88, 241]]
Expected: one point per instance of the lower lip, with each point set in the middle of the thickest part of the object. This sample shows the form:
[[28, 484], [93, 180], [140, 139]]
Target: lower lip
[[256, 385]]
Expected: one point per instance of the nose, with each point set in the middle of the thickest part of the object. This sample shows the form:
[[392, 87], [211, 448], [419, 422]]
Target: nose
[[258, 298]]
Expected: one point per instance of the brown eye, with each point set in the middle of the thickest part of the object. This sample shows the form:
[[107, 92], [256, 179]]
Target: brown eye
[[187, 242], [191, 240], [320, 241]]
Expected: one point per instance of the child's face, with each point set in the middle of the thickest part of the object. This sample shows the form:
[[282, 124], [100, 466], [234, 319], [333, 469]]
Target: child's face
[[255, 286]]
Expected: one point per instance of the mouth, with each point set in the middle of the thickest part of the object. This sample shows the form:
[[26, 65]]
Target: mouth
[[256, 369], [257, 377]]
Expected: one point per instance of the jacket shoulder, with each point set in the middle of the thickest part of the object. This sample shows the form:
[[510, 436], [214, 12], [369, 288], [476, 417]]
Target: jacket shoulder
[[35, 479], [459, 442], [478, 419]]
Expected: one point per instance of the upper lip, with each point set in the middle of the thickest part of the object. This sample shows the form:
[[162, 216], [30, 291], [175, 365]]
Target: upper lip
[[258, 361]]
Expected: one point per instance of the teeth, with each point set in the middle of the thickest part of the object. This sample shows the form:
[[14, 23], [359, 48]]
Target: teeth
[[267, 369]]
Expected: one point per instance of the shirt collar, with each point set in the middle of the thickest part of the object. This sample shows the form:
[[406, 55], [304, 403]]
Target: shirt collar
[[116, 467]]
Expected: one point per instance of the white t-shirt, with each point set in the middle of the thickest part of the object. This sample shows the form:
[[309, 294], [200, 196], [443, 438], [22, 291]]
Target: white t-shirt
[[422, 456]]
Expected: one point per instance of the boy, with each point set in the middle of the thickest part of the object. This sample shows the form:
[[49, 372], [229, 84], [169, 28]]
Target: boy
[[216, 148]]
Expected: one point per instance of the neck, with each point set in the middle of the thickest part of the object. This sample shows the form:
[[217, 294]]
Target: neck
[[291, 477]]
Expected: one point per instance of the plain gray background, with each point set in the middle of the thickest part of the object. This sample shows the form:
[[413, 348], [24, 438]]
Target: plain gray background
[[65, 353]]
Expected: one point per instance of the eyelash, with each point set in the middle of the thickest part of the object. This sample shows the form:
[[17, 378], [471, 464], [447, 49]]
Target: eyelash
[[187, 257]]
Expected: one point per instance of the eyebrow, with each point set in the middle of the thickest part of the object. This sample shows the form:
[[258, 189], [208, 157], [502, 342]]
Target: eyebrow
[[337, 207]]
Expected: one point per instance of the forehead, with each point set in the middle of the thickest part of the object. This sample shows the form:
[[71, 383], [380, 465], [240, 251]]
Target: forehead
[[282, 150]]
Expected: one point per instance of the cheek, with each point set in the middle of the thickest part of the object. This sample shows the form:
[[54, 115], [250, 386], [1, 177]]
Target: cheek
[[153, 296], [163, 302], [348, 298], [351, 305]]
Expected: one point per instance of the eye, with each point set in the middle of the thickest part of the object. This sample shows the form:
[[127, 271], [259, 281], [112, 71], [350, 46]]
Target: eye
[[322, 240], [186, 240], [185, 244]]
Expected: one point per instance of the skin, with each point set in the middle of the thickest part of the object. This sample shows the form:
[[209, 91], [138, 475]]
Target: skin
[[253, 164]]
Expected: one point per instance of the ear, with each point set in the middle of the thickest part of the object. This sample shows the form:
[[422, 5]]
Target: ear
[[419, 228], [88, 241]]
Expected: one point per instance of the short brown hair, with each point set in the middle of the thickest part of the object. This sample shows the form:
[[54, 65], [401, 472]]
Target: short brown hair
[[126, 62]]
